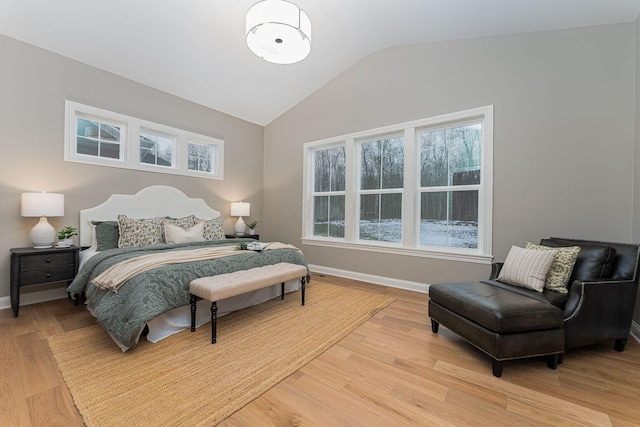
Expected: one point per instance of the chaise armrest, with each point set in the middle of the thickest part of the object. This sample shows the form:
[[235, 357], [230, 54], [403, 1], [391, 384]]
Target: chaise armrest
[[495, 270], [599, 310]]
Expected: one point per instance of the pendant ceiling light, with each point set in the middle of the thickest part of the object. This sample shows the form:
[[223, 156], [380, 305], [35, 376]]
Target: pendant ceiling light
[[278, 31]]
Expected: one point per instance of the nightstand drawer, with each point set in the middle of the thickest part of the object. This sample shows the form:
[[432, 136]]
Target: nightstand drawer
[[35, 262], [46, 275]]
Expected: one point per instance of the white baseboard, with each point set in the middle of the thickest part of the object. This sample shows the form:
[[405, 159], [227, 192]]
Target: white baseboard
[[35, 297], [370, 278], [635, 330]]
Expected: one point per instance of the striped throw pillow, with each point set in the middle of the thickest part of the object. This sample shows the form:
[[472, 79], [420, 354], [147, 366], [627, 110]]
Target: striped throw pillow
[[527, 268]]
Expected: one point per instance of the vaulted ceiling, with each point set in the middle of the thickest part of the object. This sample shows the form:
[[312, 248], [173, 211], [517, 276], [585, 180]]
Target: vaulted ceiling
[[196, 49]]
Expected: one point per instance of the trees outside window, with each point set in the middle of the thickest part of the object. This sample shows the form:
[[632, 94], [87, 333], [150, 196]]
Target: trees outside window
[[450, 182], [381, 186], [328, 192]]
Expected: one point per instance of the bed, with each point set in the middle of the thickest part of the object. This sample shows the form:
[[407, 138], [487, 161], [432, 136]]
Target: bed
[[156, 300]]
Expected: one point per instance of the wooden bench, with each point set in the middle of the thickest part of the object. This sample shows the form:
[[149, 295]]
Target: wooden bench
[[216, 288]]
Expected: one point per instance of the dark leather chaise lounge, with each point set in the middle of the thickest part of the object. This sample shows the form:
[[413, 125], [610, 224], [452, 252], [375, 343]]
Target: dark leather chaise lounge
[[509, 322]]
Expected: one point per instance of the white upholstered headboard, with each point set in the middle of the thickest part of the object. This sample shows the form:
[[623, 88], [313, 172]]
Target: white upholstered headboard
[[157, 200]]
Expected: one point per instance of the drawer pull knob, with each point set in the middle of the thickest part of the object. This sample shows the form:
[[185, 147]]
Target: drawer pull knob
[[48, 260], [48, 275]]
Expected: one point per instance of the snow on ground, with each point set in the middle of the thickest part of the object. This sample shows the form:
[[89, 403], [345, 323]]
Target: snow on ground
[[454, 234]]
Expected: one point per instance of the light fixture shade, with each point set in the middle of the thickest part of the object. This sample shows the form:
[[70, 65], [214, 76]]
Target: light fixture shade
[[42, 204], [278, 31], [240, 209]]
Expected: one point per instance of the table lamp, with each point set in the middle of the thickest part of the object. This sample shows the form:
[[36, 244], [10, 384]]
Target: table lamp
[[42, 205], [240, 209]]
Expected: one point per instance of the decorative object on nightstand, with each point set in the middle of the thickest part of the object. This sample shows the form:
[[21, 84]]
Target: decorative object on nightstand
[[65, 236], [252, 227], [278, 31], [30, 266], [240, 209], [42, 205]]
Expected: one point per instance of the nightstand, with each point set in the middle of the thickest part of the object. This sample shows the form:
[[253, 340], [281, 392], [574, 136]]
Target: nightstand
[[243, 236], [31, 266]]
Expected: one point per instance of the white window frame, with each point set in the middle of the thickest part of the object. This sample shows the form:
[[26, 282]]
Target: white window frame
[[410, 244], [130, 143]]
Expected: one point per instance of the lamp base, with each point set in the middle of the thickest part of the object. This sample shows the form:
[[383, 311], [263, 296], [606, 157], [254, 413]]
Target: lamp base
[[43, 235], [240, 226]]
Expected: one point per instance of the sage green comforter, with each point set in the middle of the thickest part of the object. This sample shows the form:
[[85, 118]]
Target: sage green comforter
[[149, 294]]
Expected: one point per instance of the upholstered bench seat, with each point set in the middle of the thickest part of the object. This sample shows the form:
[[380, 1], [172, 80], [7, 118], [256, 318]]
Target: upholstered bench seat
[[222, 286]]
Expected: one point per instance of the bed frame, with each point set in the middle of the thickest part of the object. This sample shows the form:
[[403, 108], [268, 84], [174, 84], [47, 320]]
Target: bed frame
[[157, 200]]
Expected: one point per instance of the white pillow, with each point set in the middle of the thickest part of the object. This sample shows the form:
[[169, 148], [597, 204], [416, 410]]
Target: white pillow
[[175, 234], [527, 268]]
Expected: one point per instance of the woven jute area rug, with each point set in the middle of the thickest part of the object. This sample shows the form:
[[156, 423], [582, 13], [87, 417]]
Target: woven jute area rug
[[186, 380]]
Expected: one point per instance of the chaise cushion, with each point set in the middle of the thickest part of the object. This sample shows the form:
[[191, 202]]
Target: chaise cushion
[[497, 309]]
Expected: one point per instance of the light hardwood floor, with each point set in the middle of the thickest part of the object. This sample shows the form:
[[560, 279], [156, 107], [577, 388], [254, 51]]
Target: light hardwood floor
[[391, 371]]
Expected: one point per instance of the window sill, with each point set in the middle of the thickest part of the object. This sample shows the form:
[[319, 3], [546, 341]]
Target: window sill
[[424, 253]]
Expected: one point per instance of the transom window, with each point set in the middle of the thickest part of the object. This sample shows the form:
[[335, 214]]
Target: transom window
[[98, 138], [202, 157], [105, 138], [156, 148], [420, 188]]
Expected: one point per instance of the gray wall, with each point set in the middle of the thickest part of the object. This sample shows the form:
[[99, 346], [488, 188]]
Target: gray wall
[[563, 146], [34, 84]]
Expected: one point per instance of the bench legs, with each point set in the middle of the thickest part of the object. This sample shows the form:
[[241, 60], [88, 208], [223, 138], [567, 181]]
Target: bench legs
[[214, 309], [194, 300], [214, 318]]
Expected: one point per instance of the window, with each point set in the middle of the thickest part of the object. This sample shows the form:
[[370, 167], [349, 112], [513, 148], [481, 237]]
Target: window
[[156, 148], [450, 170], [105, 138], [328, 192], [98, 138], [422, 188], [201, 157], [381, 188]]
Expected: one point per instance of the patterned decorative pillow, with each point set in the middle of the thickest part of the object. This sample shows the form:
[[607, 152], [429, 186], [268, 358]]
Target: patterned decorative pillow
[[212, 228], [527, 268], [175, 234], [561, 268], [140, 232], [107, 234]]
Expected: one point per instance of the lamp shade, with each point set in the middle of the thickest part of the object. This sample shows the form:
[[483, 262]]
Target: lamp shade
[[278, 31], [240, 209], [42, 204]]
